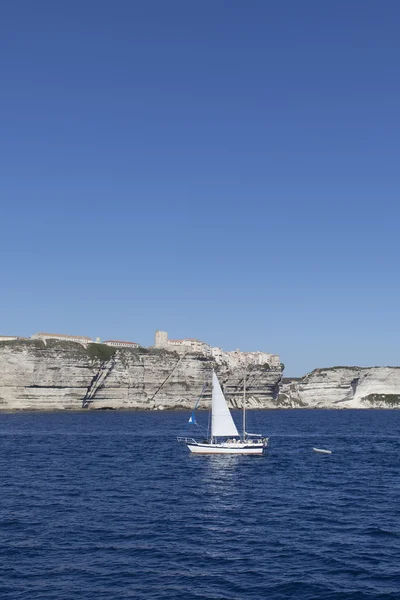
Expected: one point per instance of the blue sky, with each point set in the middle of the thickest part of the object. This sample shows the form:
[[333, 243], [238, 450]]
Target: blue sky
[[225, 170]]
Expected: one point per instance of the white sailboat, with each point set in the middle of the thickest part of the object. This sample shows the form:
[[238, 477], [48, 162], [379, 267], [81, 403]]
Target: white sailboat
[[225, 438]]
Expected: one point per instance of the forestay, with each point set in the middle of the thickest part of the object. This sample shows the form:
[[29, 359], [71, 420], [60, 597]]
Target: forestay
[[222, 424]]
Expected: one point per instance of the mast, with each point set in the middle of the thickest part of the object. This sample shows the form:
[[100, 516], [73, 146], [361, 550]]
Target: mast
[[244, 404], [210, 412]]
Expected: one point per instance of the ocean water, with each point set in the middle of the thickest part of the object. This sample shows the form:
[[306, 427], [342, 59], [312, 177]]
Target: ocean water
[[106, 505]]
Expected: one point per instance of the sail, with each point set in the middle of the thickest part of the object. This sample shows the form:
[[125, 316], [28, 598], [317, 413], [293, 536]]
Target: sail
[[222, 423]]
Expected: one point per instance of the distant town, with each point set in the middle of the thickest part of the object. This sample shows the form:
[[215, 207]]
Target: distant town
[[161, 341]]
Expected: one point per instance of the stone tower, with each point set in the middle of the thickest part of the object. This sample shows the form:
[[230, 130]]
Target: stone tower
[[161, 339]]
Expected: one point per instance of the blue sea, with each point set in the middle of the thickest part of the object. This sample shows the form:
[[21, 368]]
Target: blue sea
[[106, 505]]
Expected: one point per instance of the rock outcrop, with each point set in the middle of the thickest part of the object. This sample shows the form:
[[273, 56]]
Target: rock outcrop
[[66, 375], [343, 387]]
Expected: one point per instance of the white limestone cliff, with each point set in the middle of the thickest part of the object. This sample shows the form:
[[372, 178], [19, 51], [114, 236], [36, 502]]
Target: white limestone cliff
[[344, 387], [62, 375]]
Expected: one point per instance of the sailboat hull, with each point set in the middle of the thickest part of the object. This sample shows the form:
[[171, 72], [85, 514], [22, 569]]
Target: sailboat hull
[[227, 448]]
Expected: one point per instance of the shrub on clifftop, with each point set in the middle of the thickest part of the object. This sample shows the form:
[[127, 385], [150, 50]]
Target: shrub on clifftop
[[100, 351]]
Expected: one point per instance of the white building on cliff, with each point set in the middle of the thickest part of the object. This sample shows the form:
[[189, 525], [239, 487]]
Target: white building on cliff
[[182, 346], [120, 344], [80, 339], [236, 358]]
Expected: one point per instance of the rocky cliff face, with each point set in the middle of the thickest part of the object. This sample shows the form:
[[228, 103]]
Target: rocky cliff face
[[344, 387], [64, 375]]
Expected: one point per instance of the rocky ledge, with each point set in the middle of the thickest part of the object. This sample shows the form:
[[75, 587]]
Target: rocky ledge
[[66, 375]]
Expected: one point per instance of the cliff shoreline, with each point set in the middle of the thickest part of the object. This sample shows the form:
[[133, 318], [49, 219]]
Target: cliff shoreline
[[67, 376]]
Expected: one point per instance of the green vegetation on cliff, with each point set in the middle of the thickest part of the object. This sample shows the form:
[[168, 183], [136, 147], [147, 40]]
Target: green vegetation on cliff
[[389, 399], [100, 352]]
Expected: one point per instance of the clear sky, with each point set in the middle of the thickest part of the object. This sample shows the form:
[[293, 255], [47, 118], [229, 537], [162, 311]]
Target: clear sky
[[227, 170]]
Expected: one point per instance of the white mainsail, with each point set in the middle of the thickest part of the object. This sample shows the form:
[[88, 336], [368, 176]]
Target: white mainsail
[[222, 423]]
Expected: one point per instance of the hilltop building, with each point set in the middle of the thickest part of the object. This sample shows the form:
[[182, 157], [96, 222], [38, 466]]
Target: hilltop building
[[80, 339], [182, 346], [190, 345], [234, 359], [120, 344], [10, 338], [237, 358], [217, 354], [161, 339]]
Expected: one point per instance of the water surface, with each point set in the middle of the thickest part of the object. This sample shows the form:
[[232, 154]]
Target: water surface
[[105, 505]]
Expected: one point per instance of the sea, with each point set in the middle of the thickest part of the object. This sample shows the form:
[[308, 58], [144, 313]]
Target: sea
[[106, 505]]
